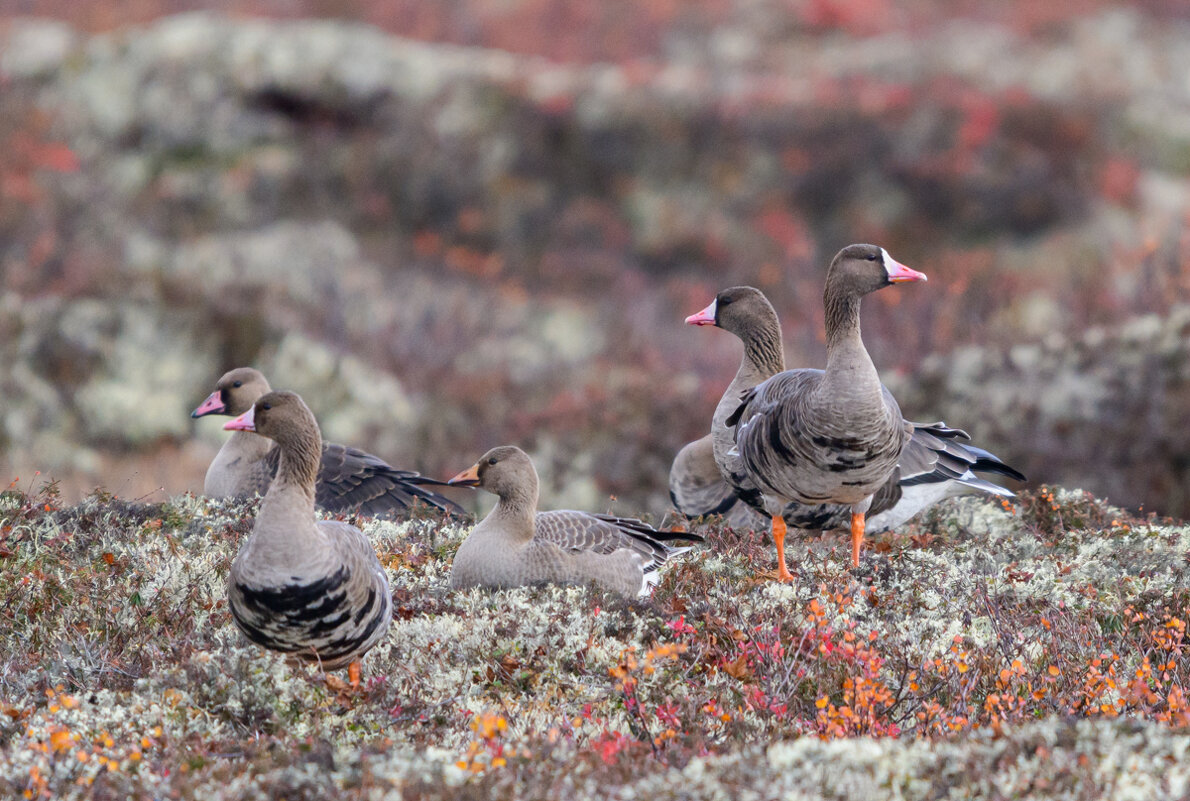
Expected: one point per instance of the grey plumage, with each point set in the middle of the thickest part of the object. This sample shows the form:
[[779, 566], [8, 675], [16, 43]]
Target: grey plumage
[[353, 480], [349, 479], [697, 488], [797, 439], [515, 545], [830, 436], [933, 466], [311, 588]]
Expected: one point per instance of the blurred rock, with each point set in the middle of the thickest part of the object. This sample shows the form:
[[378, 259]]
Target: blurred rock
[[36, 48], [81, 376], [1106, 409], [451, 247], [354, 403]]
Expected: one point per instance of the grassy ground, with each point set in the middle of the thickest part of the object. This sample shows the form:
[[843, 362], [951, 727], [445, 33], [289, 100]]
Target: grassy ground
[[986, 652]]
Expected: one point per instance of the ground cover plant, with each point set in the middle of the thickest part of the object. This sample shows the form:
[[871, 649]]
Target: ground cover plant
[[986, 651]]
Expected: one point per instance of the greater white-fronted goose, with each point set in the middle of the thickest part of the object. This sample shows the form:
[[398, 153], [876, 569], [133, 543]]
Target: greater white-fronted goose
[[934, 465], [828, 436], [833, 435], [515, 545], [348, 479], [302, 586]]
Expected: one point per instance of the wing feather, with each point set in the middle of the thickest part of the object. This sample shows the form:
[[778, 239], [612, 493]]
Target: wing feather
[[350, 479]]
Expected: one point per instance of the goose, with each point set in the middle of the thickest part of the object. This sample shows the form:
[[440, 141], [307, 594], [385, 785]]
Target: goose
[[934, 465], [307, 587], [515, 545], [697, 489], [834, 436], [348, 479]]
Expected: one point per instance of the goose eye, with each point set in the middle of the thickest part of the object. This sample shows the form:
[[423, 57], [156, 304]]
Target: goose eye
[[493, 460], [238, 384], [266, 406], [724, 302], [871, 257]]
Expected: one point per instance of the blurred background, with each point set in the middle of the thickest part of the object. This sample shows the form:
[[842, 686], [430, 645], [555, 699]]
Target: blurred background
[[452, 225]]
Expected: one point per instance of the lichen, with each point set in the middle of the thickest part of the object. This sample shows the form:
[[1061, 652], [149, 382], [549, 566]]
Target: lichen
[[122, 669]]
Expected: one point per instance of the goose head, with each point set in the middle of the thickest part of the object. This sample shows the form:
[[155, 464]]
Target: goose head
[[505, 471], [860, 269], [234, 393], [282, 417], [740, 310]]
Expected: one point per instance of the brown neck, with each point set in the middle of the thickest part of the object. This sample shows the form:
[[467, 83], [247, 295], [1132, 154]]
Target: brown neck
[[762, 349], [849, 368], [842, 314], [301, 458], [517, 508]]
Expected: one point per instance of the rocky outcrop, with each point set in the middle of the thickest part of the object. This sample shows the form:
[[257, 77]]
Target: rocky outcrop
[[1105, 409]]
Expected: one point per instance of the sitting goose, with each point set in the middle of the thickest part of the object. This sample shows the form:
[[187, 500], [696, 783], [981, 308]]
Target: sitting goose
[[348, 479], [516, 545], [831, 436], [934, 465], [307, 587]]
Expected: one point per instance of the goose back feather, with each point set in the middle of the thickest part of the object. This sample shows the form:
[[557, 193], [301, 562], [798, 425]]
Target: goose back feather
[[349, 479]]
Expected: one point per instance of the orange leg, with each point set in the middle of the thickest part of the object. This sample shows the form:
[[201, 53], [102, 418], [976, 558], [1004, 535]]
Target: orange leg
[[353, 674], [779, 529], [857, 536]]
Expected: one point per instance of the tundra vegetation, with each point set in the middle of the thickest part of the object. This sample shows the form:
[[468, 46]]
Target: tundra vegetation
[[988, 650]]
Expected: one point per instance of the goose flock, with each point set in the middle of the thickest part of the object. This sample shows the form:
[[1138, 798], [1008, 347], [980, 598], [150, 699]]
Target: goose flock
[[812, 449]]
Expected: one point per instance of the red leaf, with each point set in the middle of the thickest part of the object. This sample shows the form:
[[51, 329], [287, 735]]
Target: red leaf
[[56, 156]]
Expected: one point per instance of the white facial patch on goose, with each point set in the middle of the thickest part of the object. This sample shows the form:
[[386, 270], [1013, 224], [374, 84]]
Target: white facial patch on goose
[[887, 261]]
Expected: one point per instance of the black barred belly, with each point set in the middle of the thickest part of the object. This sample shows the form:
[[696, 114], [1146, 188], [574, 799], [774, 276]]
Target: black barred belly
[[314, 621], [812, 470]]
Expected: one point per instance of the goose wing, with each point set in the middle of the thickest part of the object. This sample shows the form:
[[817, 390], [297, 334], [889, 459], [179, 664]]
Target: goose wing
[[696, 486], [936, 452], [606, 534], [353, 480], [768, 421], [937, 463]]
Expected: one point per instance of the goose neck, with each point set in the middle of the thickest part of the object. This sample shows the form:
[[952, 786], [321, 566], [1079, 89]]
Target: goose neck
[[763, 354], [514, 513], [297, 472]]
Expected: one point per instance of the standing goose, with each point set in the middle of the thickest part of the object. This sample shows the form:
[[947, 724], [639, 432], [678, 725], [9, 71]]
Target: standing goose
[[829, 436], [934, 465], [348, 479], [312, 588], [747, 313], [516, 545]]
